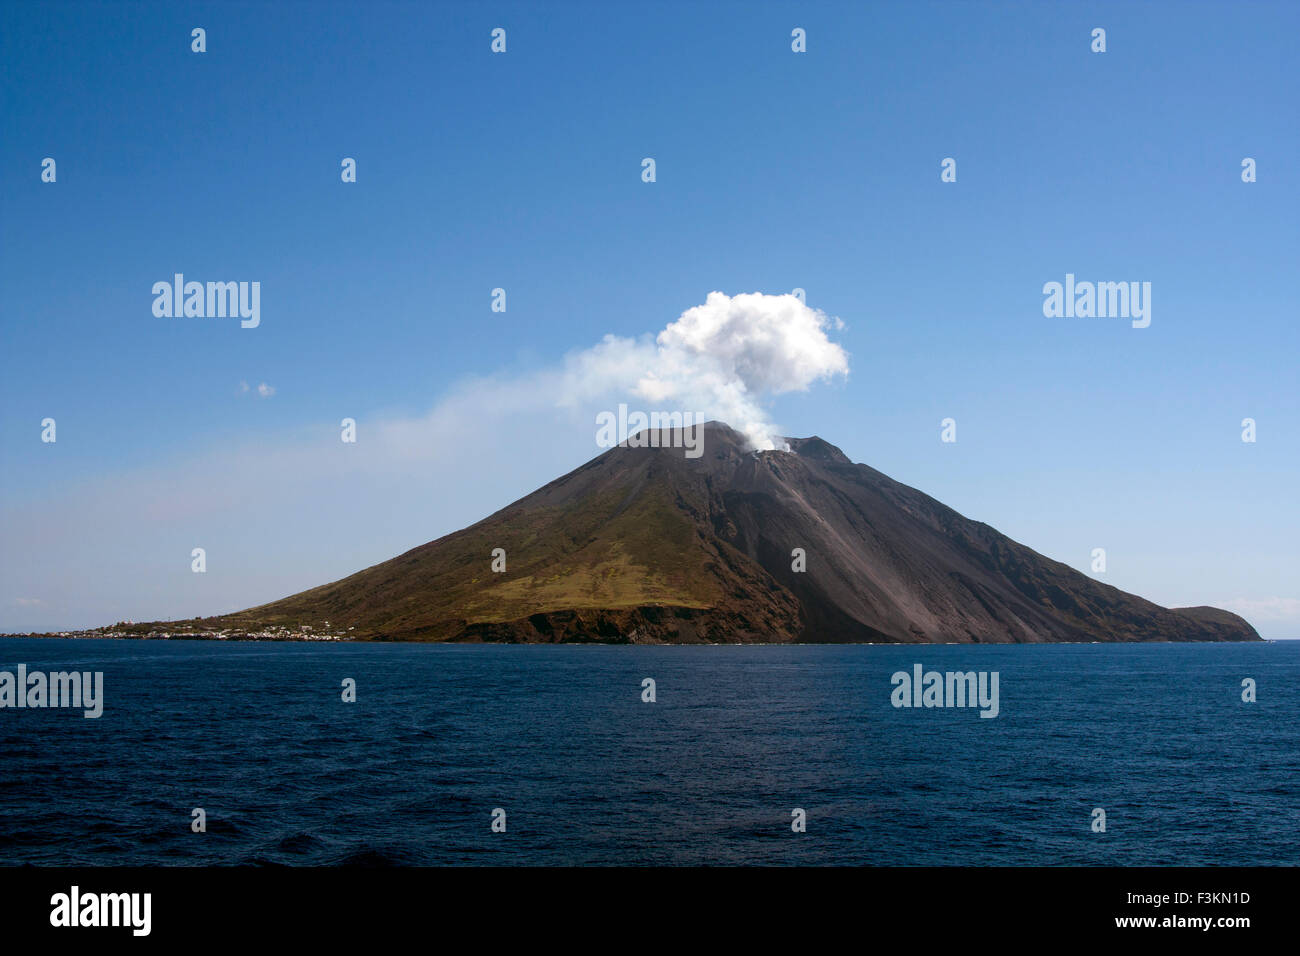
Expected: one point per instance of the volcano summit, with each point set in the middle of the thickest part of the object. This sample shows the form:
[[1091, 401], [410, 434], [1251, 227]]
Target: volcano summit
[[646, 545]]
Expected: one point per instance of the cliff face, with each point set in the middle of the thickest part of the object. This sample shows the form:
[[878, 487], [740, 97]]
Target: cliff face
[[646, 545]]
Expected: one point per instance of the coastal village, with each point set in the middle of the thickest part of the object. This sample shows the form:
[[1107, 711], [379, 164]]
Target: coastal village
[[194, 631]]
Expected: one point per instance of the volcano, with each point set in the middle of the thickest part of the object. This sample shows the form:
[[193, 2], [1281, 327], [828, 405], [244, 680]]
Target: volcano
[[649, 545]]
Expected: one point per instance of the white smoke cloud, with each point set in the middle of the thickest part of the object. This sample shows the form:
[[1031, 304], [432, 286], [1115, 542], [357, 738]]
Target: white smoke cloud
[[263, 390], [724, 358]]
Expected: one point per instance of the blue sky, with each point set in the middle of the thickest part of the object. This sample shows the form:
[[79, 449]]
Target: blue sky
[[522, 170]]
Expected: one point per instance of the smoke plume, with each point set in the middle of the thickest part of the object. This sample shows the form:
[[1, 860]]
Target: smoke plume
[[724, 358]]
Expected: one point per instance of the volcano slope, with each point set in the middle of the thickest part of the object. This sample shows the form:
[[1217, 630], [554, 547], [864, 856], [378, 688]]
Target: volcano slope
[[646, 545]]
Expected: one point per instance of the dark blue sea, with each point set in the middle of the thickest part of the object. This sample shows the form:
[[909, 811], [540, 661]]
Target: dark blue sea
[[559, 738]]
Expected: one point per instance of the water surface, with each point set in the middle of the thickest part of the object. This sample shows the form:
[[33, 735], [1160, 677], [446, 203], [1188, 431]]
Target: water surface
[[559, 737]]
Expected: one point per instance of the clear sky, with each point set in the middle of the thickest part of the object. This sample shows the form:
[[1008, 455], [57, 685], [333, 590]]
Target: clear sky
[[523, 171]]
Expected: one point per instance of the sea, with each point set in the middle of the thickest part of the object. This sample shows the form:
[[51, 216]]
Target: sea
[[509, 755]]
